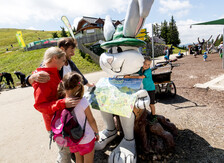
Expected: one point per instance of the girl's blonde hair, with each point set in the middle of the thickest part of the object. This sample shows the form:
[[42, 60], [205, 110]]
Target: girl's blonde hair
[[51, 52], [71, 81]]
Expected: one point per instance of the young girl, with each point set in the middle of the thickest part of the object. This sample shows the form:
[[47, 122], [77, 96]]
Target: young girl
[[71, 86]]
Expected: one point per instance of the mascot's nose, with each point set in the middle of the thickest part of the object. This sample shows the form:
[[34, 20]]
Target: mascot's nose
[[110, 59]]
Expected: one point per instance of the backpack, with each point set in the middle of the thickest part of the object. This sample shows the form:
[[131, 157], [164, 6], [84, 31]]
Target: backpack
[[66, 130]]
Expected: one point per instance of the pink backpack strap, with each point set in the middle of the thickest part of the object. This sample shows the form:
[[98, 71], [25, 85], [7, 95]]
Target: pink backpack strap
[[56, 123]]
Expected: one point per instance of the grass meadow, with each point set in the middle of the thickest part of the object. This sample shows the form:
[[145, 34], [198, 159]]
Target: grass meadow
[[17, 59]]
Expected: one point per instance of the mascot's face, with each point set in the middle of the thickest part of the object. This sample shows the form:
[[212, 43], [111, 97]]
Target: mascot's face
[[123, 57], [122, 60]]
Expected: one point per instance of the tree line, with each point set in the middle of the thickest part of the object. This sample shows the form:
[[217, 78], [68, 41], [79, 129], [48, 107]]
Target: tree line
[[168, 31], [63, 33]]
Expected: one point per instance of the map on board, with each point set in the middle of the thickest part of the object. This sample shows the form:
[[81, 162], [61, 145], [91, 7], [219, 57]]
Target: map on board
[[115, 95]]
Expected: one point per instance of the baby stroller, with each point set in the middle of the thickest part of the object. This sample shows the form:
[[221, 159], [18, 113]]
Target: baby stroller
[[162, 80]]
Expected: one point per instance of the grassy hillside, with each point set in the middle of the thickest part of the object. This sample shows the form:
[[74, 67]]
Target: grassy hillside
[[16, 59], [8, 37], [28, 61]]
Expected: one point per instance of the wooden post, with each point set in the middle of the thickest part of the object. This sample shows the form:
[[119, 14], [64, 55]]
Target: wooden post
[[153, 61], [223, 50]]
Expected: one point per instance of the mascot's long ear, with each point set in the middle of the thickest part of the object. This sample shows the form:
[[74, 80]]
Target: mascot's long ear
[[131, 19], [136, 14], [108, 28]]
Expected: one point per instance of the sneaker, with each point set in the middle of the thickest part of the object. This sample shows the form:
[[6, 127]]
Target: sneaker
[[23, 85]]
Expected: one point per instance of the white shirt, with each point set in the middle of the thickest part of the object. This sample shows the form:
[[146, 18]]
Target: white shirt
[[66, 69], [79, 111]]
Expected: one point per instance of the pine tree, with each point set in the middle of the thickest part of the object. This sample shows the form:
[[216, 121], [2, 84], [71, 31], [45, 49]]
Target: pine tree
[[55, 35], [164, 31], [156, 30], [63, 33], [173, 34]]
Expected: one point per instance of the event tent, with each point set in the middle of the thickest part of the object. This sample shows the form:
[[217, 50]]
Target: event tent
[[215, 22]]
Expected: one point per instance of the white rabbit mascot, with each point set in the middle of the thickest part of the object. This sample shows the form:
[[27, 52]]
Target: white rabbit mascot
[[123, 58]]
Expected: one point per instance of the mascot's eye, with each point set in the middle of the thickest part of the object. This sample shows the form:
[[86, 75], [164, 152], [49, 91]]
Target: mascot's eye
[[119, 50], [110, 50]]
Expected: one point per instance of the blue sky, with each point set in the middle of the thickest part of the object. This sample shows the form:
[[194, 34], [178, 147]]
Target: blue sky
[[46, 14]]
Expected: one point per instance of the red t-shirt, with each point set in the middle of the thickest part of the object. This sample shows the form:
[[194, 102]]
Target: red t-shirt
[[45, 95]]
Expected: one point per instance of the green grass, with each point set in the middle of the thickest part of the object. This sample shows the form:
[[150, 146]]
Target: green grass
[[85, 66], [28, 61], [176, 49], [16, 59], [8, 37]]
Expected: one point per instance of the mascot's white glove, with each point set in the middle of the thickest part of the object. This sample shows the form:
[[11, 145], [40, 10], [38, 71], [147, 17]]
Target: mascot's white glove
[[143, 99]]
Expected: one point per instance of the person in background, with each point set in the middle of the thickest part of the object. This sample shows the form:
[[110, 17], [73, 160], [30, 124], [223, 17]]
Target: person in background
[[180, 55], [8, 78], [21, 76], [196, 50], [68, 46], [205, 56], [220, 49], [167, 54], [171, 49]]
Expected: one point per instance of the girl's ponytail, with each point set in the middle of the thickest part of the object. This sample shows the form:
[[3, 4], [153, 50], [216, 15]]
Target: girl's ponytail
[[80, 92], [73, 81], [61, 90]]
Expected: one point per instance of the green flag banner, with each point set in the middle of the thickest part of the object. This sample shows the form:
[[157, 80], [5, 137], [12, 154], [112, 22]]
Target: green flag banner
[[20, 39]]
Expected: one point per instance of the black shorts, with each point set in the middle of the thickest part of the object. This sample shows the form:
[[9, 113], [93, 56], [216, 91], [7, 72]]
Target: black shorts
[[152, 96]]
